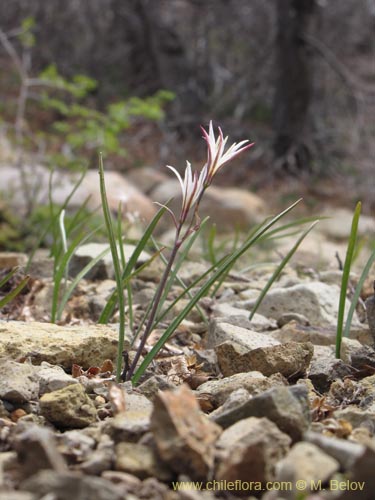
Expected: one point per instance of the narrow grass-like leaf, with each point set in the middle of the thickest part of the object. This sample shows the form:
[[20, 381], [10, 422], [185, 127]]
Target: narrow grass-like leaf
[[112, 301], [186, 290], [211, 244], [227, 263], [60, 270], [345, 276], [174, 275], [128, 287], [77, 279], [52, 222], [116, 266], [9, 276], [279, 269], [13, 293], [357, 293]]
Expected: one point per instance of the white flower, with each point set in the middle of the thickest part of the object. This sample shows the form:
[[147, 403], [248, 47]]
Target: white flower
[[192, 187], [216, 157]]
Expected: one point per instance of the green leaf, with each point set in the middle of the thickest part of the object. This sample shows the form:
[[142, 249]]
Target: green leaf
[[357, 293], [227, 263], [13, 294], [345, 276], [279, 269]]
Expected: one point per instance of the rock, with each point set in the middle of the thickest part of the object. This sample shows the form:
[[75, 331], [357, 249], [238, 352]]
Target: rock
[[348, 348], [19, 382], [253, 382], [357, 417], [325, 368], [370, 313], [101, 459], [308, 463], [317, 335], [68, 407], [289, 359], [220, 332], [76, 444], [226, 207], [359, 481], [337, 225], [129, 426], [68, 485], [235, 399], [52, 378], [288, 409], [141, 461], [150, 387], [134, 203], [103, 269], [250, 450], [146, 178], [86, 346], [286, 318], [345, 452], [183, 435], [41, 265], [17, 495], [36, 450], [317, 301], [12, 259]]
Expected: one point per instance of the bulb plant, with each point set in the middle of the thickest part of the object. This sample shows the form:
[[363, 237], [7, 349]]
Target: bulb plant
[[187, 226]]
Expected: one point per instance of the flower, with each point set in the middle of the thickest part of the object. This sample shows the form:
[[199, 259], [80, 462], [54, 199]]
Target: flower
[[216, 157], [192, 187]]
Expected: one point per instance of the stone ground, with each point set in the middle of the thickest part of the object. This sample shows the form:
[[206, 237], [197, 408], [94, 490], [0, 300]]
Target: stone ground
[[230, 408]]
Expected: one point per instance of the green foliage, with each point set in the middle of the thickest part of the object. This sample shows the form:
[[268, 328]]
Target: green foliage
[[345, 276], [26, 36], [15, 291], [86, 129]]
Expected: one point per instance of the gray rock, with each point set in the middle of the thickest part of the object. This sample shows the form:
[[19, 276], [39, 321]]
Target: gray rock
[[253, 382], [86, 346], [357, 417], [19, 382], [37, 450], [289, 359], [76, 444], [344, 451], [129, 426], [288, 410], [184, 436], [317, 301], [17, 495], [68, 485], [141, 461], [152, 385], [101, 459], [324, 369], [68, 407], [359, 482], [286, 318], [308, 463], [240, 317], [370, 313], [338, 222], [104, 268], [52, 378], [227, 207], [249, 450], [220, 332]]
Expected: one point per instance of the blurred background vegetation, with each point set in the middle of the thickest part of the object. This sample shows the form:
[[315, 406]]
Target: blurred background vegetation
[[135, 78]]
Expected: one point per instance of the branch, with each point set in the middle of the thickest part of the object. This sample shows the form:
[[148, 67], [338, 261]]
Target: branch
[[355, 86]]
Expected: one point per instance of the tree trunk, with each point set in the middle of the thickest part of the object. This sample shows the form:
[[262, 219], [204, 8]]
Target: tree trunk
[[293, 85]]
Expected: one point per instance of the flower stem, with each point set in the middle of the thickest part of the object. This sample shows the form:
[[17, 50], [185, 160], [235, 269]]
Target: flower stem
[[156, 301]]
